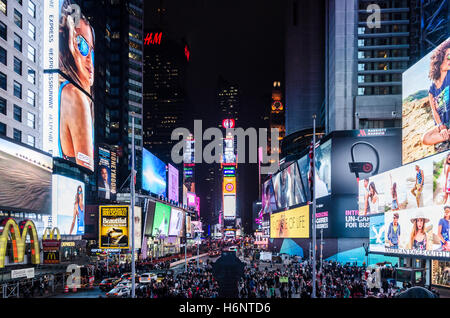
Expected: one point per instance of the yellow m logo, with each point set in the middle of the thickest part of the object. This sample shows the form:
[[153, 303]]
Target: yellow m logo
[[52, 233], [18, 238]]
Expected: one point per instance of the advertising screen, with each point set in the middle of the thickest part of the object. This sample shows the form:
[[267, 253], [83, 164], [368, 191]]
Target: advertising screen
[[323, 171], [173, 183], [153, 173], [412, 201], [68, 114], [188, 228], [137, 227], [25, 179], [268, 197], [378, 148], [106, 180], [290, 224], [114, 226], [161, 220], [176, 222], [68, 205], [425, 105], [229, 185], [191, 200], [149, 216], [288, 187], [229, 206]]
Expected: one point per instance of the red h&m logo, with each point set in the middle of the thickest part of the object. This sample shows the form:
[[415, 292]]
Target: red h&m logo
[[153, 38]]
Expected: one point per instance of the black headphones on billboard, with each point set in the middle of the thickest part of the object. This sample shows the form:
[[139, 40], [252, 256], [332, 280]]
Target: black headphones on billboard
[[363, 167]]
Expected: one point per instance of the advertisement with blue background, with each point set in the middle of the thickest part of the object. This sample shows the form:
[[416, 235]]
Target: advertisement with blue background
[[153, 173]]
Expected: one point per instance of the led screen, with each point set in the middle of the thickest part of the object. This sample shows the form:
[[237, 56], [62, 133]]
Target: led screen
[[153, 173], [425, 105], [229, 206], [173, 183], [290, 224], [161, 220], [176, 222], [268, 197], [114, 226], [68, 208]]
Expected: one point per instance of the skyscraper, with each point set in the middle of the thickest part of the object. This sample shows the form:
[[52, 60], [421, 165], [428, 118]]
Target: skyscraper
[[21, 71], [164, 93]]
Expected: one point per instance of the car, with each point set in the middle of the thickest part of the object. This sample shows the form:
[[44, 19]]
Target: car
[[124, 283], [147, 278], [119, 292], [108, 283], [233, 248]]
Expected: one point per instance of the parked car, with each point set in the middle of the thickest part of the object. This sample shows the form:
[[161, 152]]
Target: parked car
[[119, 292]]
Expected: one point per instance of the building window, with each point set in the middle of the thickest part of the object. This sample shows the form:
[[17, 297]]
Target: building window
[[32, 8], [389, 123], [31, 98], [31, 53], [31, 76], [31, 31], [2, 81], [3, 31], [31, 120], [17, 42], [31, 141], [2, 129], [17, 66], [18, 113], [17, 90], [3, 56], [2, 106], [3, 6], [18, 18], [17, 135], [19, 1]]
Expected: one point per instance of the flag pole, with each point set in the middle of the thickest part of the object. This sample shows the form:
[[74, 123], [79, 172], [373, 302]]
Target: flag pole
[[314, 209]]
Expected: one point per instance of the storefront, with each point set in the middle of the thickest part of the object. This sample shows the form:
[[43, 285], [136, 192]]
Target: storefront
[[440, 273]]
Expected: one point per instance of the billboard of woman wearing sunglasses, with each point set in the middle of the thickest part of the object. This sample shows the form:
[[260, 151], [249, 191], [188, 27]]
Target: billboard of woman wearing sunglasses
[[68, 83], [426, 102]]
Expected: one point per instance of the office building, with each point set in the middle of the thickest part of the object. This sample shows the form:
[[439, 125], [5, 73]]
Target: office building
[[21, 71]]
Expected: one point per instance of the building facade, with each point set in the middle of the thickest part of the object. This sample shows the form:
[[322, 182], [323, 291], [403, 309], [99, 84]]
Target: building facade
[[21, 71]]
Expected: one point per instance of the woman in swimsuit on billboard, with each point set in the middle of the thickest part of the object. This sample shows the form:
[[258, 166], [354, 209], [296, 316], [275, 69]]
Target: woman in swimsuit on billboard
[[438, 95], [76, 116], [447, 177], [78, 213]]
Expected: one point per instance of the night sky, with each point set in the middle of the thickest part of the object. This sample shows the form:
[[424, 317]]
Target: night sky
[[241, 40]]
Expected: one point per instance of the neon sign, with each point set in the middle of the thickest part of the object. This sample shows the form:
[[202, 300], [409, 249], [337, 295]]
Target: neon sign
[[153, 38]]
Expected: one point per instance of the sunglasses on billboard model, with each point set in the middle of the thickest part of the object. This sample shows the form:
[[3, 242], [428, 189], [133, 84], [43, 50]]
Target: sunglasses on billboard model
[[83, 46]]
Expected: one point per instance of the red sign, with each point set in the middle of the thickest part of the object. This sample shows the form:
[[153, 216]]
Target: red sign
[[186, 52], [153, 38], [228, 123]]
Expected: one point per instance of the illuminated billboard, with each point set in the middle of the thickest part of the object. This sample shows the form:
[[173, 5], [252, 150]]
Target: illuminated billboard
[[229, 185], [173, 183], [107, 173], [137, 227], [290, 224], [25, 179], [153, 173], [268, 197], [176, 222], [425, 105], [68, 115], [408, 208], [161, 220], [229, 206], [68, 208], [149, 216], [114, 226], [191, 200]]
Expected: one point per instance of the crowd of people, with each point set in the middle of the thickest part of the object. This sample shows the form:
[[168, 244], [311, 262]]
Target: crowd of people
[[334, 280]]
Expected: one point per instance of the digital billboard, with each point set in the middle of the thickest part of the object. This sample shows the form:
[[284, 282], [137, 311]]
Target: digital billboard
[[268, 197], [323, 171], [229, 206], [137, 227], [176, 222], [293, 223], [153, 173], [288, 187], [68, 115], [188, 227], [412, 203], [229, 185], [425, 105], [360, 154], [114, 226], [25, 179], [149, 216], [68, 208], [191, 200], [173, 183], [106, 180], [161, 220]]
